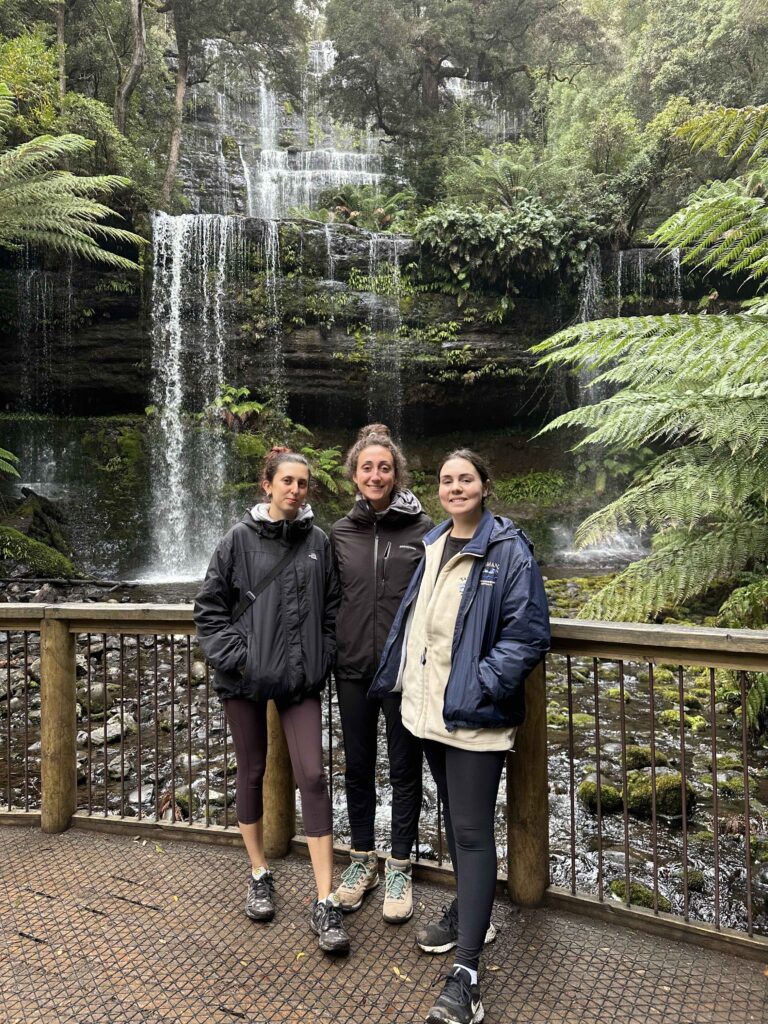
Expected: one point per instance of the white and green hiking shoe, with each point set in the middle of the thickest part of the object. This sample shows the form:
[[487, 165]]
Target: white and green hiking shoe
[[398, 891], [360, 878]]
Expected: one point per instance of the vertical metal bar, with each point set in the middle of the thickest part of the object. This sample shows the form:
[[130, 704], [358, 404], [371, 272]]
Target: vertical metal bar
[[26, 720], [173, 729], [8, 717], [189, 727], [625, 795], [226, 765], [571, 771], [104, 723], [138, 722], [122, 726], [747, 824], [208, 748], [683, 794], [156, 711], [88, 684], [654, 823], [595, 677], [715, 818]]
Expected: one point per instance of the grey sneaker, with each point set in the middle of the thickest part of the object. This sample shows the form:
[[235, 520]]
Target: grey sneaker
[[260, 902], [459, 1002], [327, 922], [361, 877], [440, 936], [398, 891]]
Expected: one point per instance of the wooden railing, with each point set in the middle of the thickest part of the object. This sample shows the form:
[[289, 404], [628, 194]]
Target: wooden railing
[[581, 653]]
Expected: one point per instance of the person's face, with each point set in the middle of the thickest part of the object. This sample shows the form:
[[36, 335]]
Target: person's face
[[374, 476], [461, 490], [288, 490]]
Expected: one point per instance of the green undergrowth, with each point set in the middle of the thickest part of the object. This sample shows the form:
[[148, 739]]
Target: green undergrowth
[[40, 559]]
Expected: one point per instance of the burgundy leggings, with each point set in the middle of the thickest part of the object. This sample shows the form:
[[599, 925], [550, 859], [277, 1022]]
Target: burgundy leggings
[[302, 726]]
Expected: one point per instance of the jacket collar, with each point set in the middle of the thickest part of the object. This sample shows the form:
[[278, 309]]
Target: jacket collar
[[490, 529]]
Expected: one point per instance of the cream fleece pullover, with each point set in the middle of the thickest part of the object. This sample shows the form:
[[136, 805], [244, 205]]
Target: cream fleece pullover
[[428, 656]]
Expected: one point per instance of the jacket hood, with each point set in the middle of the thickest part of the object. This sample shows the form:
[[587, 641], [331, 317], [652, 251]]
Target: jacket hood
[[489, 530], [403, 503], [258, 518]]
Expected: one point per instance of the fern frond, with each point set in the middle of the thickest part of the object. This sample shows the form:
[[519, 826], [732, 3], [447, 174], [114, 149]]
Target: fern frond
[[730, 132], [8, 460], [685, 564]]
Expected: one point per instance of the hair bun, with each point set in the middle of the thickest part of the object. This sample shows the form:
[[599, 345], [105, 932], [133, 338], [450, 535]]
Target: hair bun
[[373, 430], [278, 449]]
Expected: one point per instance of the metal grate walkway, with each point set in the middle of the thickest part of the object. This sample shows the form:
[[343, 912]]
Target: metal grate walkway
[[99, 929]]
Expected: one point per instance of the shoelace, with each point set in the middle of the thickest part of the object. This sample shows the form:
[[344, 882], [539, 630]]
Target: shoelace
[[331, 917], [263, 887], [450, 915], [353, 873], [456, 988], [397, 883]]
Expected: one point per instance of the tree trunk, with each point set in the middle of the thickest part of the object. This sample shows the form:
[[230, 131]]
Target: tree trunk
[[61, 10], [130, 79], [182, 43], [430, 86]]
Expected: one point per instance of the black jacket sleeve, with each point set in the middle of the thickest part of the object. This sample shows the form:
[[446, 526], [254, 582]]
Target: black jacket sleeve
[[331, 607], [224, 647]]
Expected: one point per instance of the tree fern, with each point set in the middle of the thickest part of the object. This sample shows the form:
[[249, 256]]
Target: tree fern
[[51, 208], [7, 463], [697, 387]]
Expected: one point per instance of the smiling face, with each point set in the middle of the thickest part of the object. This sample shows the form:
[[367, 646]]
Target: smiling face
[[287, 491], [461, 491], [374, 475]]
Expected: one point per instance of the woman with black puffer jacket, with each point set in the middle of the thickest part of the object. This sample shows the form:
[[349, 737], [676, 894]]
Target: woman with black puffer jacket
[[265, 620], [376, 548]]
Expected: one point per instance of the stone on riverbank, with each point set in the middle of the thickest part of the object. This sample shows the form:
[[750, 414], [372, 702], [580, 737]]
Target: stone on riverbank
[[610, 797], [669, 796], [639, 895]]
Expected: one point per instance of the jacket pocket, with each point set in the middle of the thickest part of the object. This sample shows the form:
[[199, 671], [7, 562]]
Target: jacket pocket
[[469, 702]]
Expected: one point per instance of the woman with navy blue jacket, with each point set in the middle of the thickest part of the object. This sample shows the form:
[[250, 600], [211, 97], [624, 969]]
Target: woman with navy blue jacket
[[472, 625]]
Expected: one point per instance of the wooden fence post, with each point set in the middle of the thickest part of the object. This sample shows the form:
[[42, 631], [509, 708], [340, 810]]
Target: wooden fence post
[[279, 790], [58, 725], [528, 801]]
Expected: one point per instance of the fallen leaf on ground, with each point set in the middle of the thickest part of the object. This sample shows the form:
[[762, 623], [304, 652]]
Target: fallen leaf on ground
[[300, 955], [401, 974]]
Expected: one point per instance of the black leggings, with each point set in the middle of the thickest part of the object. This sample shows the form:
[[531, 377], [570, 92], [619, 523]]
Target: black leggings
[[303, 731], [360, 723], [468, 784]]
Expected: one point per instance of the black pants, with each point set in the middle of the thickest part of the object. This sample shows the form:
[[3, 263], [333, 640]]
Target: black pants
[[359, 724], [468, 784]]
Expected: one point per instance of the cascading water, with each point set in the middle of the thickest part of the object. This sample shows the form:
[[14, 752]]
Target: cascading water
[[385, 391], [195, 258]]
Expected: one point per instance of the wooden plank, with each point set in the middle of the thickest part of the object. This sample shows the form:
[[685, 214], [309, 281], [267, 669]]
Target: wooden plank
[[28, 818], [667, 925], [157, 831], [662, 656], [644, 635]]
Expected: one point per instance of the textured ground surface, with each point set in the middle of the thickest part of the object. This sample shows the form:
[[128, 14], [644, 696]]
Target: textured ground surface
[[101, 929]]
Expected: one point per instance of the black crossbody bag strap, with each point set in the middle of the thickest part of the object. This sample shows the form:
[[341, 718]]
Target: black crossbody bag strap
[[251, 595]]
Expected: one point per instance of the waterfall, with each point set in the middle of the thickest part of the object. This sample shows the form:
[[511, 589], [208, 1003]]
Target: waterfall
[[385, 392], [591, 289], [278, 384], [194, 258]]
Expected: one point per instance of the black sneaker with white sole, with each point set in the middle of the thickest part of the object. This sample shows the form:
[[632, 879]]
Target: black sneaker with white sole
[[327, 922], [440, 936], [459, 1002], [260, 902]]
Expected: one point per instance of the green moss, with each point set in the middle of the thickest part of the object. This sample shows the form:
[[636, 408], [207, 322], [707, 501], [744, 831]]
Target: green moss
[[758, 848], [610, 797], [640, 757], [664, 676], [733, 788], [581, 720], [41, 559], [703, 838], [639, 895], [695, 880], [614, 693], [730, 761], [669, 798]]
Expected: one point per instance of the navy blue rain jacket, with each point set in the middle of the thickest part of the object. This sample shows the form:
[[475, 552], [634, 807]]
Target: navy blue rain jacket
[[501, 633]]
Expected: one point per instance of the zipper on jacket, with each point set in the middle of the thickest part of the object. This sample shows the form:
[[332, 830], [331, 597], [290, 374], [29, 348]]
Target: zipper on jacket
[[375, 589], [387, 550]]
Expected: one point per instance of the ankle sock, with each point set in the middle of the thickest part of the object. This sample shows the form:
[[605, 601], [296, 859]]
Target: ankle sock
[[259, 874], [332, 899], [470, 971]]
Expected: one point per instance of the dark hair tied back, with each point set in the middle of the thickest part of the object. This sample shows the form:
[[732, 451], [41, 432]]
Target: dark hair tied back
[[481, 466], [276, 457]]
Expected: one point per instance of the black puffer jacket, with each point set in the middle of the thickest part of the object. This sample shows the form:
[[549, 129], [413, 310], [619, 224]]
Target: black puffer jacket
[[283, 646], [375, 554]]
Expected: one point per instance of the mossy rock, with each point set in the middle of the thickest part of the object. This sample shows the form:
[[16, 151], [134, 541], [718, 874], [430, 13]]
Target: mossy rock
[[664, 676], [733, 788], [610, 797], [38, 558], [730, 761], [671, 719], [641, 757], [582, 720], [614, 693], [639, 895], [696, 881], [703, 837], [758, 849], [669, 797]]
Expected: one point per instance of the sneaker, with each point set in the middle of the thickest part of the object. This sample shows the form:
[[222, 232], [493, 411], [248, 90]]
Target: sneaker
[[440, 936], [327, 923], [260, 902], [459, 1002], [360, 878], [398, 891]]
